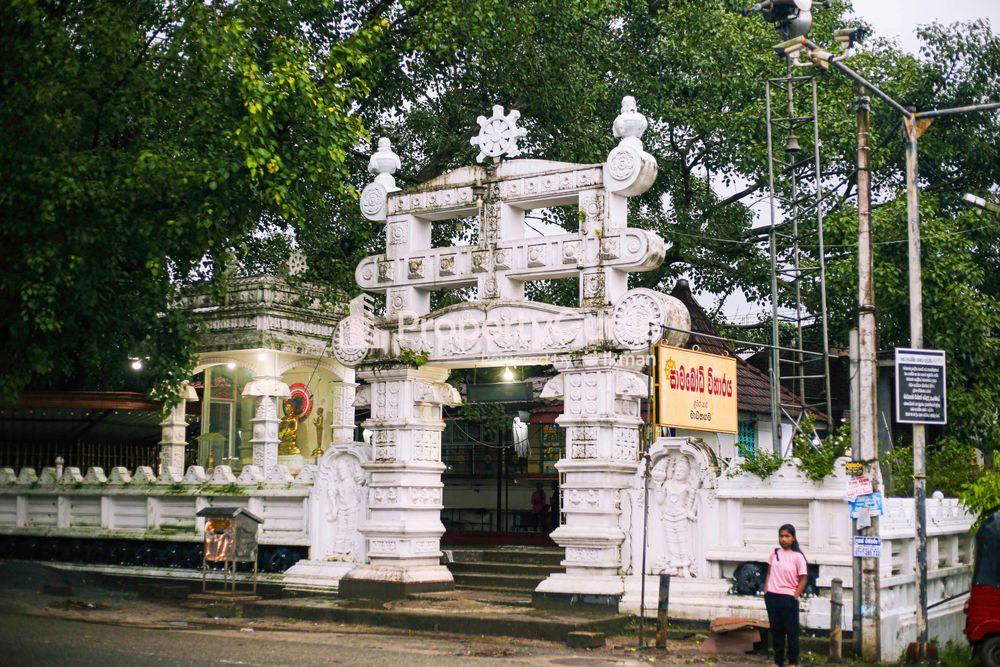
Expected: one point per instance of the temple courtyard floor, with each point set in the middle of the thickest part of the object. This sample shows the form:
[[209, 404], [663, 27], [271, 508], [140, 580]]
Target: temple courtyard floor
[[44, 621]]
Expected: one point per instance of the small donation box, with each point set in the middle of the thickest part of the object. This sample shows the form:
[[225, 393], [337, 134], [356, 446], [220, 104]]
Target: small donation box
[[230, 538]]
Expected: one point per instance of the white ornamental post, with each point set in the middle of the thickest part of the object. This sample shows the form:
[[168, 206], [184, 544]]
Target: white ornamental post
[[601, 394], [342, 415], [404, 528], [174, 434], [268, 389]]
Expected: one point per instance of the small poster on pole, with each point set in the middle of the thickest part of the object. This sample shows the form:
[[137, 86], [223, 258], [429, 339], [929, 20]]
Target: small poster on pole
[[867, 547], [853, 468], [872, 502], [859, 486]]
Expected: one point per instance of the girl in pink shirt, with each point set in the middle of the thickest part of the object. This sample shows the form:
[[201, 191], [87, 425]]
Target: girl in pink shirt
[[787, 575]]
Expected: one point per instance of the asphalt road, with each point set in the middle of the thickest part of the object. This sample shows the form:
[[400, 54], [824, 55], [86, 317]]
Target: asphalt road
[[53, 617], [28, 640]]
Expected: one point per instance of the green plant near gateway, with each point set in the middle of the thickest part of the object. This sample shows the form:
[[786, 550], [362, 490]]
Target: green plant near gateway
[[982, 497], [148, 145], [951, 467], [492, 417], [759, 463], [817, 461]]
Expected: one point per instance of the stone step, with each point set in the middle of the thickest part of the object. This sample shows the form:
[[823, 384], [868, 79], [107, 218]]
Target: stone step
[[487, 567], [503, 597], [494, 581], [527, 624], [512, 554], [479, 589]]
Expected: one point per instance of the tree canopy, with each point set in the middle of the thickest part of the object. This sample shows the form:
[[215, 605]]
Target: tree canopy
[[144, 146], [153, 144]]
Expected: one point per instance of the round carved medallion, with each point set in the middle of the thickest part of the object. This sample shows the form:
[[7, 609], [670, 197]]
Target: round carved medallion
[[351, 340], [373, 199], [642, 313], [622, 163]]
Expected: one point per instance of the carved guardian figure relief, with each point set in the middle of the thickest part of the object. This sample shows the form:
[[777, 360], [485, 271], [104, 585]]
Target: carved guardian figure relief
[[345, 496], [675, 486]]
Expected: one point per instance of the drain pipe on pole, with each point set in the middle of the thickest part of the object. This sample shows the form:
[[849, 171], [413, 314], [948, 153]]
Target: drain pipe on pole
[[645, 526], [645, 486]]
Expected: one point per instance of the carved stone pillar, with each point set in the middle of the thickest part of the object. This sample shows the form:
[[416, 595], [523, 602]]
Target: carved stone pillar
[[174, 440], [268, 389], [174, 435], [601, 394], [342, 414], [403, 530], [265, 434]]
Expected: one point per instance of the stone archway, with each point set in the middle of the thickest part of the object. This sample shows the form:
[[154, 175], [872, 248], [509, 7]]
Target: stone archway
[[597, 347]]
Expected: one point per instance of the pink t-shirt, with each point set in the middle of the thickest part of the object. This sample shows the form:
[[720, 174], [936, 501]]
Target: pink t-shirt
[[786, 566]]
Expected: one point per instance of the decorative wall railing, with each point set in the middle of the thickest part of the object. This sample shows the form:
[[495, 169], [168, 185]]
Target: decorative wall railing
[[139, 506], [82, 455]]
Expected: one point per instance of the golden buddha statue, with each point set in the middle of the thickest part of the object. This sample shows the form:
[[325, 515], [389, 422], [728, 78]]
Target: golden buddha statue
[[287, 430]]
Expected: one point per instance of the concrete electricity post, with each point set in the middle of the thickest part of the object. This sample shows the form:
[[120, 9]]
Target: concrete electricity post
[[912, 129], [867, 382], [836, 619]]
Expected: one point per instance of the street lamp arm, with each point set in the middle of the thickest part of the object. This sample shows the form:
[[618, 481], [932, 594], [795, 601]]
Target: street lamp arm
[[936, 113], [979, 202], [857, 78]]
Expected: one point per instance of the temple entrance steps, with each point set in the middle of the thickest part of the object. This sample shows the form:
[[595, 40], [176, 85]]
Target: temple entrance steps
[[507, 569]]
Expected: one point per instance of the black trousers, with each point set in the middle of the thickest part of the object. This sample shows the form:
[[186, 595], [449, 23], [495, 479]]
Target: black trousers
[[783, 615]]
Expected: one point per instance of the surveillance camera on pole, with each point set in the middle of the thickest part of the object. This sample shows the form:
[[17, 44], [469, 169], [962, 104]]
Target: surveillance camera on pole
[[792, 18]]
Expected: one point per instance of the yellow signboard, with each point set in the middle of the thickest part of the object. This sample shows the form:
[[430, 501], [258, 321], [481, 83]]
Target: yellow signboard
[[695, 390]]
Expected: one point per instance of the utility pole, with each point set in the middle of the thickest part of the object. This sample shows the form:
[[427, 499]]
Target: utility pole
[[775, 341], [867, 429], [912, 129]]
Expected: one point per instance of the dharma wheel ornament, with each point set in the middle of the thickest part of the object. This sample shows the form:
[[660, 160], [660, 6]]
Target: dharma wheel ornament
[[498, 134]]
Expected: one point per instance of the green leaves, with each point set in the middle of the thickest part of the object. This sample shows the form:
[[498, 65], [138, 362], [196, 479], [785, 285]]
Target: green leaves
[[145, 143], [759, 463], [817, 461], [982, 497]]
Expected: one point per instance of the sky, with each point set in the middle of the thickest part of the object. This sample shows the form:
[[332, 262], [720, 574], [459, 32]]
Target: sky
[[900, 18], [897, 19]]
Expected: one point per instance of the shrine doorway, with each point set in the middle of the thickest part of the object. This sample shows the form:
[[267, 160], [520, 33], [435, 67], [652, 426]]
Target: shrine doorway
[[497, 447]]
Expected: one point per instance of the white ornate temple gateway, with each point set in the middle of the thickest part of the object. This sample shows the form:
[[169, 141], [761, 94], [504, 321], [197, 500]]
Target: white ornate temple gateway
[[596, 346], [702, 522]]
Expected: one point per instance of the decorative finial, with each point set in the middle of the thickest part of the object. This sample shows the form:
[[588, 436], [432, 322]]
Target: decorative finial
[[296, 265], [384, 161], [383, 164], [630, 124], [629, 170], [498, 134]]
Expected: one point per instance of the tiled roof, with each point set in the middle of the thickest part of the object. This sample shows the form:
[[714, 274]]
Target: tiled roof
[[753, 386]]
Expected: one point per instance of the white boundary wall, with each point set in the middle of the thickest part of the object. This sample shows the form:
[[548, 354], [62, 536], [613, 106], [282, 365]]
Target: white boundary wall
[[141, 506], [736, 519], [726, 521]]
